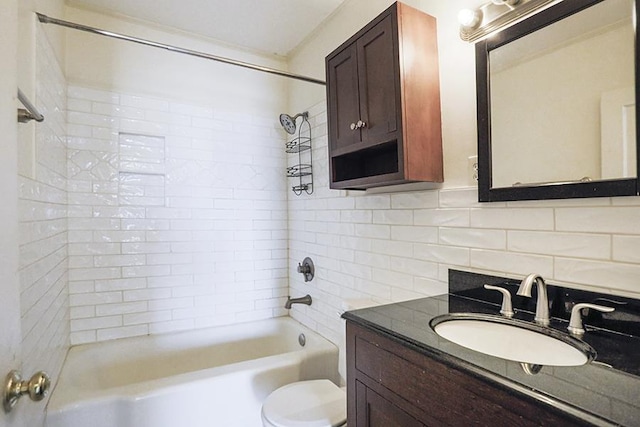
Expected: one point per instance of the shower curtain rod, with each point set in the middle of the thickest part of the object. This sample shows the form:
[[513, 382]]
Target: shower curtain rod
[[48, 20]]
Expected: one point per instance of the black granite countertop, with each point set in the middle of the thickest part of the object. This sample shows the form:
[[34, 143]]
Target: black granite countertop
[[603, 392]]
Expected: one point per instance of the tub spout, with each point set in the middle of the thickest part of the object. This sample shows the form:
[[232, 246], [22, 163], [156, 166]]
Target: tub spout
[[303, 300]]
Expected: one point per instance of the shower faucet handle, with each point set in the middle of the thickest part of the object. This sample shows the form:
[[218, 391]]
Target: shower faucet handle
[[307, 269]]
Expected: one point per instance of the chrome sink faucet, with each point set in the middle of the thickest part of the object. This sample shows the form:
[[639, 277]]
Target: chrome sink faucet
[[542, 305]]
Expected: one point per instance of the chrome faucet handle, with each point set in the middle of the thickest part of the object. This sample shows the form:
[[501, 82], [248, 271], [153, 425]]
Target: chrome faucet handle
[[576, 327], [507, 308]]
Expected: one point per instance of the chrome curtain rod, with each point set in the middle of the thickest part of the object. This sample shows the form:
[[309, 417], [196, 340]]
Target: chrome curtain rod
[[48, 20], [31, 112]]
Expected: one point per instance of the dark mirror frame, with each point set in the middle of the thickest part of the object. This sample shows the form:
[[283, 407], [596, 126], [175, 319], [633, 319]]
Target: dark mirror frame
[[604, 188]]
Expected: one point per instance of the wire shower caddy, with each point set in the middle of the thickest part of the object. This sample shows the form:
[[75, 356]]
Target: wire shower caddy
[[303, 170]]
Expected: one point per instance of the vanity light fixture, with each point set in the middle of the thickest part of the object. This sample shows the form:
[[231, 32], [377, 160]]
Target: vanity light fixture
[[495, 15]]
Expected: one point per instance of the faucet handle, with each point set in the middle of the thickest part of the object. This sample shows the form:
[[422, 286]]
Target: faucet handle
[[506, 309], [575, 323]]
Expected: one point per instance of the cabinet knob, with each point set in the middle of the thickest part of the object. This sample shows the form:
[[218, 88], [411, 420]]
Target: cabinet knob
[[353, 126], [360, 124]]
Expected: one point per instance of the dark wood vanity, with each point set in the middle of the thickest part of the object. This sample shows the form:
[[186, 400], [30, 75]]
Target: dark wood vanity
[[391, 384], [383, 103]]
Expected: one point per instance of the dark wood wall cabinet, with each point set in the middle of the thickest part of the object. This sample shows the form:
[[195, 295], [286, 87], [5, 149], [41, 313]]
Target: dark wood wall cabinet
[[383, 103], [390, 384]]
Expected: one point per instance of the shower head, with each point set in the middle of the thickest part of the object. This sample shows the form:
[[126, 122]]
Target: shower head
[[289, 123]]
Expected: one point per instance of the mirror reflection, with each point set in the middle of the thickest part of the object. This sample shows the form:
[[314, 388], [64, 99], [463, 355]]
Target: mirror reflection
[[563, 101]]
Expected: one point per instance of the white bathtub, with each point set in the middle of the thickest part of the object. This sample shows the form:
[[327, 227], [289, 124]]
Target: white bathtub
[[211, 377]]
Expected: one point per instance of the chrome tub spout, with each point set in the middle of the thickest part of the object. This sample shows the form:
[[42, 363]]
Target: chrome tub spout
[[302, 300]]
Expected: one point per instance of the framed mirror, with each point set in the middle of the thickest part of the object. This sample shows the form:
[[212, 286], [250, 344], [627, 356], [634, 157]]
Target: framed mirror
[[556, 104]]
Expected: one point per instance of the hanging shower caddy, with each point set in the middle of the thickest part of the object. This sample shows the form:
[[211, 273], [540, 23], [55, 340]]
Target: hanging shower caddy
[[300, 145]]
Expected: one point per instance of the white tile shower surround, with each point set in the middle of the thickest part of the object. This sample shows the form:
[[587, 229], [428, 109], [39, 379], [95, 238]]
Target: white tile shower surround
[[396, 246], [177, 216], [43, 228]]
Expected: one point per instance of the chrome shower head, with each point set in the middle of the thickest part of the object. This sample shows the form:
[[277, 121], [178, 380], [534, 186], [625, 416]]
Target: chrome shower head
[[289, 123]]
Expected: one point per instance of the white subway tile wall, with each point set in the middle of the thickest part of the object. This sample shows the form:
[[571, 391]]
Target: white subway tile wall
[[43, 227], [178, 215], [396, 246]]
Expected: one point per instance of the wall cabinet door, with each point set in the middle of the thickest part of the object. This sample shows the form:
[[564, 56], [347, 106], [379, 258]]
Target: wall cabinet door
[[344, 110], [378, 84]]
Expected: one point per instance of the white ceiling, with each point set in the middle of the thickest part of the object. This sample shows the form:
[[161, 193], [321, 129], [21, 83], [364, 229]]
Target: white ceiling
[[269, 26]]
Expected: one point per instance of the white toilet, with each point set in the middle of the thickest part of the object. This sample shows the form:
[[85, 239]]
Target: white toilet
[[314, 403]]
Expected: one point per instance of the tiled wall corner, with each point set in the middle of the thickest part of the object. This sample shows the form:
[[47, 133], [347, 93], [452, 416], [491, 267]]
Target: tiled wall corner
[[43, 229], [395, 246], [178, 215]]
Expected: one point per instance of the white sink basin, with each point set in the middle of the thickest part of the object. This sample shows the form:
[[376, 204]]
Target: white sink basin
[[513, 339]]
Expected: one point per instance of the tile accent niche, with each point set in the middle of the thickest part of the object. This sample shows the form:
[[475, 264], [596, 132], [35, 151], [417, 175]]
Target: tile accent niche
[[177, 216]]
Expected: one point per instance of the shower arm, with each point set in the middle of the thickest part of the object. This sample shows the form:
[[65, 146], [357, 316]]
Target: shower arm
[[48, 20]]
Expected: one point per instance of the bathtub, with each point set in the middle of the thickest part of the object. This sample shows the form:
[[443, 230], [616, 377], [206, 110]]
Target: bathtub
[[209, 377]]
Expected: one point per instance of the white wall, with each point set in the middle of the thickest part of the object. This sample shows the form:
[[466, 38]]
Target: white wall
[[396, 246]]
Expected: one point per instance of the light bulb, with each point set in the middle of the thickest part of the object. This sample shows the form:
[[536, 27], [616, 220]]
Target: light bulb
[[469, 18]]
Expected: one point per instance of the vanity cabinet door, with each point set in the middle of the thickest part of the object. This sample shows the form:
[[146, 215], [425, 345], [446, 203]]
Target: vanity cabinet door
[[376, 411]]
